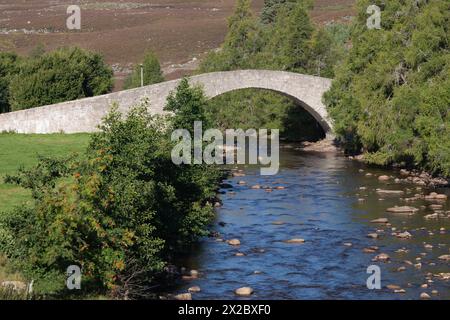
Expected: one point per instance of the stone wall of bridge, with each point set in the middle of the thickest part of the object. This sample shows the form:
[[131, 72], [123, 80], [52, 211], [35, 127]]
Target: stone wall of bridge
[[84, 115]]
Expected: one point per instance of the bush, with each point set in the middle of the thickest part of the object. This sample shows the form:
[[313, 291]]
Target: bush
[[63, 75], [9, 65], [120, 213]]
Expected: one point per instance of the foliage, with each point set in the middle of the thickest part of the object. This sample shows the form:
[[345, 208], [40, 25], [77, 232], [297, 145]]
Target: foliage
[[272, 8], [9, 65], [152, 72], [22, 150], [251, 108], [391, 97], [287, 46], [119, 213], [251, 45], [289, 41], [188, 105], [61, 75]]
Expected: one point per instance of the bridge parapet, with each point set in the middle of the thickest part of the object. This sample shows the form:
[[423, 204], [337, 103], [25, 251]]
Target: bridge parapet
[[84, 115]]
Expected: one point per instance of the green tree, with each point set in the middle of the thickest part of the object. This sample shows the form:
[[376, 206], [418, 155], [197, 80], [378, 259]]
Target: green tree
[[152, 72], [272, 7], [62, 75], [390, 98], [188, 104], [288, 45], [121, 211], [9, 66], [325, 49]]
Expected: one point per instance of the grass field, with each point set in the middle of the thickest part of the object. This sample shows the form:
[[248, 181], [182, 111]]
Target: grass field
[[18, 150]]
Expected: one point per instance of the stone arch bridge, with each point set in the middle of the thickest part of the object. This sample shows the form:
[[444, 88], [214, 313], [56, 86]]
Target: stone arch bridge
[[84, 115]]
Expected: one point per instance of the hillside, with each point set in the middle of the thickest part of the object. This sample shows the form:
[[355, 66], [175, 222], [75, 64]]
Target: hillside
[[180, 32]]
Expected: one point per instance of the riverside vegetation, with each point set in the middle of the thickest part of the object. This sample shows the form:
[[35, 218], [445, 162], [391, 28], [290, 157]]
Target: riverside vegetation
[[391, 96], [120, 211]]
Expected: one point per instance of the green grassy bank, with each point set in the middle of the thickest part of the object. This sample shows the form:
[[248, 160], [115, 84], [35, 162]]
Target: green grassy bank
[[18, 150]]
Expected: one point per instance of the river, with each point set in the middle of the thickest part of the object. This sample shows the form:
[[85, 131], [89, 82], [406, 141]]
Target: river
[[324, 204]]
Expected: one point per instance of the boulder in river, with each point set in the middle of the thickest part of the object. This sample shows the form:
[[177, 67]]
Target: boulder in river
[[431, 216], [445, 257], [424, 296], [436, 196], [443, 276], [234, 242], [402, 209], [404, 235], [244, 291], [347, 244], [383, 257], [383, 178], [393, 192], [194, 274], [380, 220], [183, 296], [400, 291], [295, 240], [194, 289], [369, 250], [393, 287]]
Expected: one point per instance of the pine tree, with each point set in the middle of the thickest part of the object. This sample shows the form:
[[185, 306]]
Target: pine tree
[[188, 104], [272, 7], [9, 65], [391, 97], [243, 38], [289, 39]]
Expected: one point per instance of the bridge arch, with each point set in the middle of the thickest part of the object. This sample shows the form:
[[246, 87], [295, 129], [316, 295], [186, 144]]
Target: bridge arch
[[305, 90], [84, 115]]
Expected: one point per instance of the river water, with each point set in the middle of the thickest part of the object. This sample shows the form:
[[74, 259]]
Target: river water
[[323, 204]]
